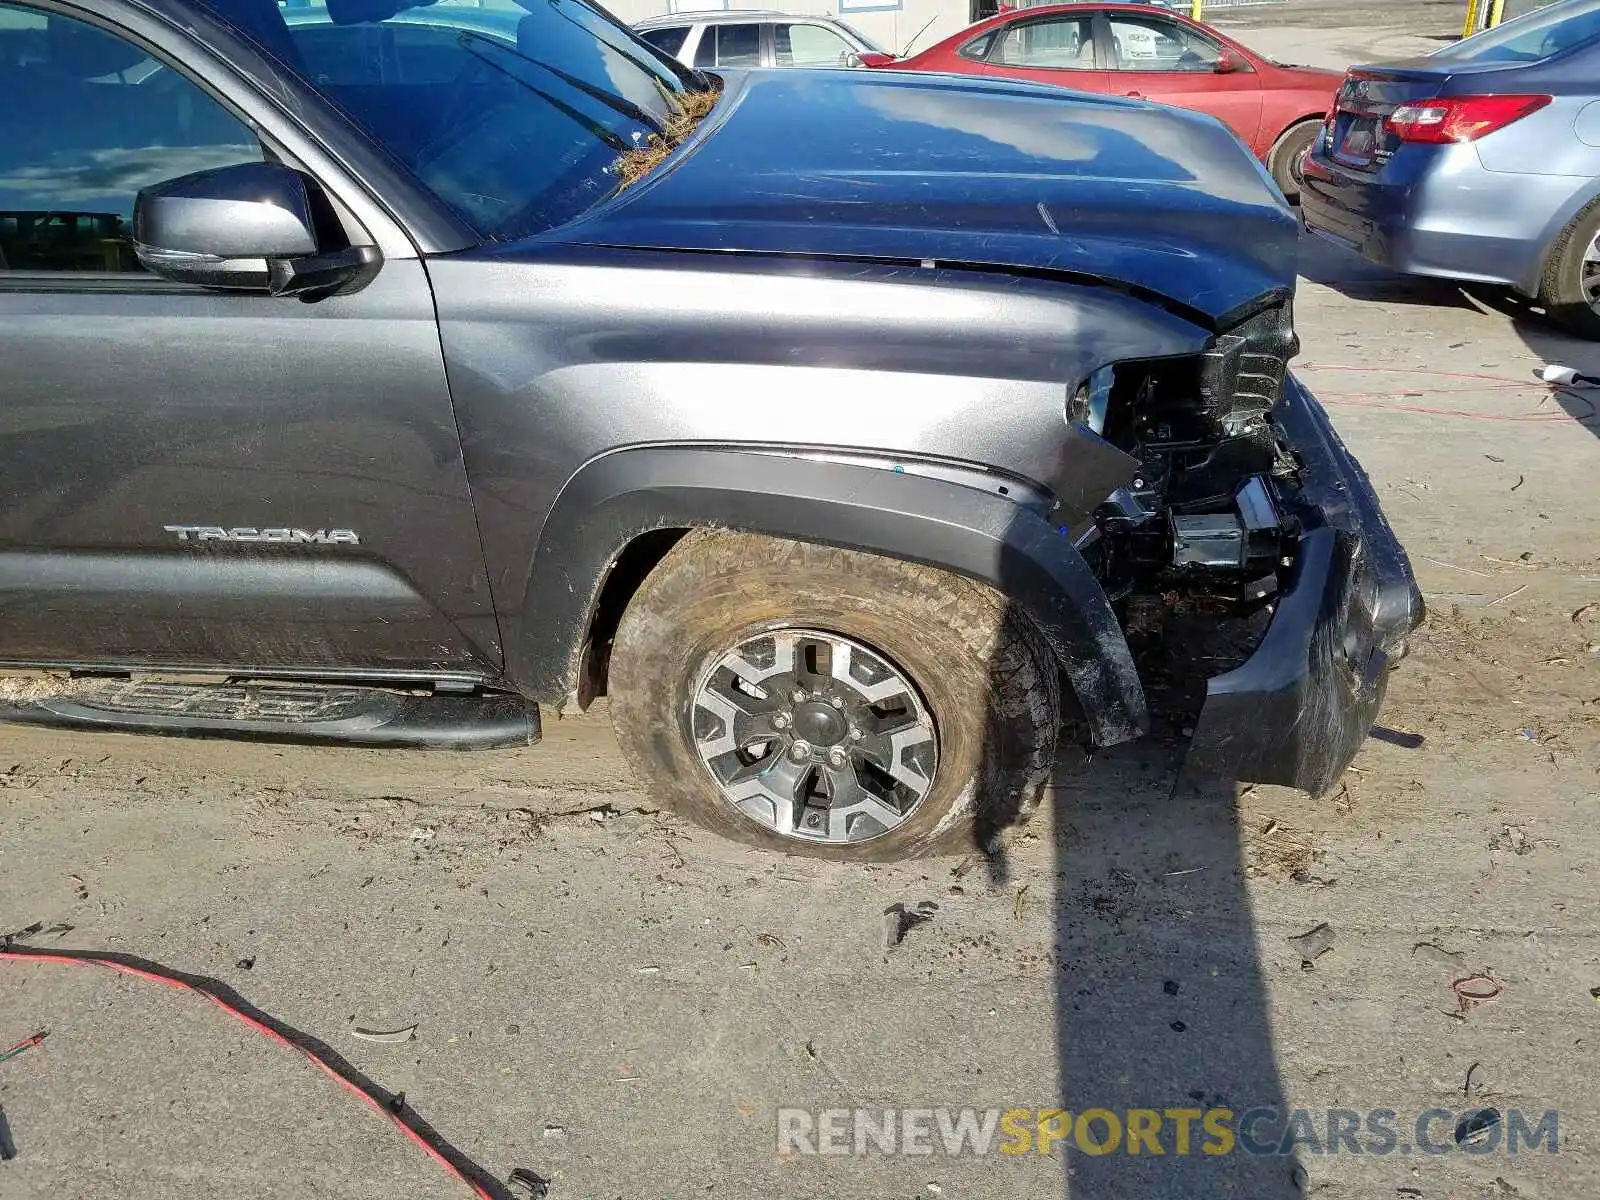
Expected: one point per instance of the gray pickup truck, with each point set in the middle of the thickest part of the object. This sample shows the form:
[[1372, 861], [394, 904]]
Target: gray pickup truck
[[357, 389]]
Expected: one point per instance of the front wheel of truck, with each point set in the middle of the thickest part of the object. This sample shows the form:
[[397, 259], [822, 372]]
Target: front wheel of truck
[[819, 701]]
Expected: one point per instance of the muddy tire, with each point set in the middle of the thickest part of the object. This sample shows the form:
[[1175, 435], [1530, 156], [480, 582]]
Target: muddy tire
[[1287, 153], [924, 708], [1569, 291]]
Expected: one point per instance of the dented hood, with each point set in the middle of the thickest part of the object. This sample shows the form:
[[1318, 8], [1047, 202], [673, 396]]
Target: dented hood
[[1012, 176]]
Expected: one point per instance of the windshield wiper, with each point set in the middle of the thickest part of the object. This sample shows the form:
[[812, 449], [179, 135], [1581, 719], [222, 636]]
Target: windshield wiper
[[474, 43], [610, 137]]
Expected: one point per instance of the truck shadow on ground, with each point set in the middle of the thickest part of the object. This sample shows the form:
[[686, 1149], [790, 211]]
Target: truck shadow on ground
[[1162, 1015]]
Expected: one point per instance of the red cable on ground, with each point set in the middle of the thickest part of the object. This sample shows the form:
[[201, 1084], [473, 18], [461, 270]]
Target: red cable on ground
[[21, 954], [1500, 382]]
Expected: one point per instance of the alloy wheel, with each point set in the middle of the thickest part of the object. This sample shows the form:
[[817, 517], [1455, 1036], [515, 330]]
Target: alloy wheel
[[815, 736]]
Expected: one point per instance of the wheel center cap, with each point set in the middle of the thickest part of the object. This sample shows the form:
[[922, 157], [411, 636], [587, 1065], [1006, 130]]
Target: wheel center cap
[[819, 724]]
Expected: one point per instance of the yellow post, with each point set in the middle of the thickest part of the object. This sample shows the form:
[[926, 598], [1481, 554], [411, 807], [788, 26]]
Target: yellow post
[[1194, 9], [1470, 25], [1497, 10]]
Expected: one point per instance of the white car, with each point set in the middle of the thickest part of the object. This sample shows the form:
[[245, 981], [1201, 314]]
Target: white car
[[752, 38]]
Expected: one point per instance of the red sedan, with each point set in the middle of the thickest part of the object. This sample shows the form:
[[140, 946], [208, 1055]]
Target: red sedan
[[1141, 50]]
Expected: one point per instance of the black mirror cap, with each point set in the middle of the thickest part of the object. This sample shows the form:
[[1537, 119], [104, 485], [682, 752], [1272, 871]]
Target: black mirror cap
[[247, 211]]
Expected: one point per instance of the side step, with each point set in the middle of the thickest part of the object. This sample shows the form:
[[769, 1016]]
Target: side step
[[332, 714]]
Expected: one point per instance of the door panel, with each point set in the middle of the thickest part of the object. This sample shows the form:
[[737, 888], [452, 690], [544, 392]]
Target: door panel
[[1159, 59], [196, 479]]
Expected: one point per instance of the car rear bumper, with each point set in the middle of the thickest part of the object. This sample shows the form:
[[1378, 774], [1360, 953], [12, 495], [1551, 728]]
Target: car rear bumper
[[1437, 213], [1297, 711]]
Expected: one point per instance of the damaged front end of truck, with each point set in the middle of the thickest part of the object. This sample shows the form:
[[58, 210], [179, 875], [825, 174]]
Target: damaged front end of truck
[[937, 270], [1247, 507]]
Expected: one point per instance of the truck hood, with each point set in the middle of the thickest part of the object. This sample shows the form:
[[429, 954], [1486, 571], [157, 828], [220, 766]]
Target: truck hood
[[1013, 177]]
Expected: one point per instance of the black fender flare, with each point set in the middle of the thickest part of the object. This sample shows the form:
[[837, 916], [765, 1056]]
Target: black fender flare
[[979, 533]]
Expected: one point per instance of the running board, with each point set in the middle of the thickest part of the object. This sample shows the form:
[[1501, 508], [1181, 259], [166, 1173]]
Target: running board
[[329, 714]]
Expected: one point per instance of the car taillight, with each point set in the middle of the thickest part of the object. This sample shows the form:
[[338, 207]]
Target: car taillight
[[1460, 118]]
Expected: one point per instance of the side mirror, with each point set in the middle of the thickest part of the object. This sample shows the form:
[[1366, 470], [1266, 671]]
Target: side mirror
[[249, 227], [1229, 63]]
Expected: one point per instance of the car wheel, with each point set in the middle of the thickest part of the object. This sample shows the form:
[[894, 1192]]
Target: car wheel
[[823, 702], [1570, 288], [1288, 153]]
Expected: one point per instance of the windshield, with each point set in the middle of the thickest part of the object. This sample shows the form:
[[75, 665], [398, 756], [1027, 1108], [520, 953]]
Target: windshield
[[861, 37], [514, 116], [1532, 37]]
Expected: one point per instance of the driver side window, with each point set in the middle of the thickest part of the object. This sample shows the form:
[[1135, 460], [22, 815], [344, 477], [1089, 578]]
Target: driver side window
[[104, 119], [1152, 44], [808, 46], [1064, 43]]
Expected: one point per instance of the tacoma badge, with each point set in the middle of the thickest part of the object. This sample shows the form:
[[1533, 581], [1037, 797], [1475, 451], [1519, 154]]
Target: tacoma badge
[[215, 533]]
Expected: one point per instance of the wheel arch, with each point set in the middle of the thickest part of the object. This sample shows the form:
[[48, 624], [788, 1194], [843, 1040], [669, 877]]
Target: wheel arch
[[1289, 127], [1318, 115], [620, 514], [1585, 195]]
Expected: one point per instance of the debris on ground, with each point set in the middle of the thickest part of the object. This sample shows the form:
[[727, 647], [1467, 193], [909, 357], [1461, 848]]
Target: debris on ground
[[1475, 1127], [900, 919], [1475, 990], [387, 1036], [8, 1148], [1277, 852], [1511, 838], [1312, 944], [37, 929], [1396, 737], [25, 1044], [1466, 1088], [528, 1185], [245, 964]]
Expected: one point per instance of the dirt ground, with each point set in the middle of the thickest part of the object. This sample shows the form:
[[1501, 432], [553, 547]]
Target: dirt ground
[[620, 1003]]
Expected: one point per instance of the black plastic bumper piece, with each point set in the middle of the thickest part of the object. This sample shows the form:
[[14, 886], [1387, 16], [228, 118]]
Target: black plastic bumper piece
[[326, 714], [1297, 711]]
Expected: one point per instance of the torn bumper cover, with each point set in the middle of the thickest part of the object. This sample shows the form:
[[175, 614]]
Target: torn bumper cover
[[1297, 710]]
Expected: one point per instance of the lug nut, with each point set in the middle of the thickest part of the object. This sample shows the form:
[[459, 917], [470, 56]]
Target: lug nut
[[836, 702], [798, 695], [800, 751], [780, 720], [856, 735], [813, 821], [836, 757]]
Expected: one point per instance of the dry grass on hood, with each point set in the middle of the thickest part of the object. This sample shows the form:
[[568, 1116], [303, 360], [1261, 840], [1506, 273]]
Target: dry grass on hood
[[690, 109]]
